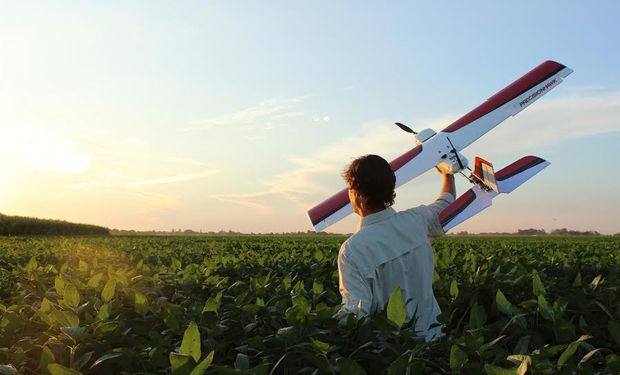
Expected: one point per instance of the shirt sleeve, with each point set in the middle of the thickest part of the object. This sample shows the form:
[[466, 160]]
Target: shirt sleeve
[[431, 213], [354, 289]]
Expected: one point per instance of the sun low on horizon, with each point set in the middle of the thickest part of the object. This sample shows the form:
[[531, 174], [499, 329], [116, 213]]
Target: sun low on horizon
[[222, 116]]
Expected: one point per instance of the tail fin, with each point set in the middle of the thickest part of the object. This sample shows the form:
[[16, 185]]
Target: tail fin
[[483, 170], [477, 199]]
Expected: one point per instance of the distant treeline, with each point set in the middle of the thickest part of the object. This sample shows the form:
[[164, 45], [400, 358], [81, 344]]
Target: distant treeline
[[26, 226], [190, 232], [540, 232]]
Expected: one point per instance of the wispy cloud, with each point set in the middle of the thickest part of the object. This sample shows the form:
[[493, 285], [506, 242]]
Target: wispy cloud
[[322, 119], [172, 179], [265, 114], [251, 200]]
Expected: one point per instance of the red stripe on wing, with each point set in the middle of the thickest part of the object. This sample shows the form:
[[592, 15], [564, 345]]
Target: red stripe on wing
[[456, 207], [405, 158], [332, 204], [518, 87], [517, 167]]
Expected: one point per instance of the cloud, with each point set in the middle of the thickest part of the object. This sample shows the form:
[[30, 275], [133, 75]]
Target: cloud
[[322, 119], [247, 200], [265, 115]]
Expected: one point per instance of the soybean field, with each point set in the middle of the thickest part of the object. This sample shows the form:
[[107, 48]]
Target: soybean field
[[265, 305]]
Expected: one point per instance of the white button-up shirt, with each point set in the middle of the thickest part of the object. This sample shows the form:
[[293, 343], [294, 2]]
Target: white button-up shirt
[[392, 249]]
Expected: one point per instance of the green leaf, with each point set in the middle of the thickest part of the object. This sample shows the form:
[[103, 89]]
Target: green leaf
[[396, 312], [71, 295], [47, 357], [496, 370], [94, 281], [399, 366], [614, 330], [477, 316], [570, 350], [104, 311], [46, 305], [108, 290], [318, 255], [523, 344], [347, 366], [141, 303], [302, 304], [82, 360], [191, 342], [202, 366], [567, 354], [242, 362], [32, 264], [613, 362], [545, 309], [317, 288], [537, 285], [502, 303], [66, 318], [59, 285], [74, 332], [577, 281], [320, 345], [56, 369], [454, 289], [180, 363], [213, 304], [83, 266], [458, 358]]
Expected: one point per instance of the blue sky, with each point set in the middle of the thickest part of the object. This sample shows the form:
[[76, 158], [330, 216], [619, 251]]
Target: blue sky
[[241, 115]]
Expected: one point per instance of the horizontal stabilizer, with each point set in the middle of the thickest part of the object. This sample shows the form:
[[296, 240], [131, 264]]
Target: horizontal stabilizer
[[476, 199], [512, 176]]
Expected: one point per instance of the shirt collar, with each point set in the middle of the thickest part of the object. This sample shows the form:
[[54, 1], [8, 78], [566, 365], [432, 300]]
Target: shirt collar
[[376, 217]]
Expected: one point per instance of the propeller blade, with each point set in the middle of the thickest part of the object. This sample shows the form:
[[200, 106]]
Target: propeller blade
[[405, 128]]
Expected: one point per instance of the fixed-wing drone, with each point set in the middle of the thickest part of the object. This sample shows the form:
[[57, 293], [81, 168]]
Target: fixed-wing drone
[[443, 151]]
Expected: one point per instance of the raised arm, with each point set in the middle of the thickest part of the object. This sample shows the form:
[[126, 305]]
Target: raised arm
[[431, 212], [448, 184]]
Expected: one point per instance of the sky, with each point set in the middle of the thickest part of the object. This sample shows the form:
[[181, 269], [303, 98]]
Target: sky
[[160, 115]]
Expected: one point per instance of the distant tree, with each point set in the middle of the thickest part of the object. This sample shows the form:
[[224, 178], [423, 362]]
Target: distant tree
[[531, 232], [570, 232]]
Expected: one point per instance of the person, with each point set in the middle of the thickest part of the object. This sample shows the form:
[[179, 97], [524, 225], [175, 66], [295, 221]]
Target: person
[[390, 249]]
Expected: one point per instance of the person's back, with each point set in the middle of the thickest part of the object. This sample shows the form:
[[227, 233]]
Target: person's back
[[391, 249]]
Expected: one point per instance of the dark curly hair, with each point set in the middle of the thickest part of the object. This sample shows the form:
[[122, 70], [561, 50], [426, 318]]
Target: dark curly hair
[[373, 179]]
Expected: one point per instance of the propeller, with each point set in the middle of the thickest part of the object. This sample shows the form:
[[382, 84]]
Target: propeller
[[405, 128]]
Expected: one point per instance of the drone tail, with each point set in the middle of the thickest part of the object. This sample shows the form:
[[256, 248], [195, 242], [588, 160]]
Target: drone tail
[[483, 171], [477, 199]]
